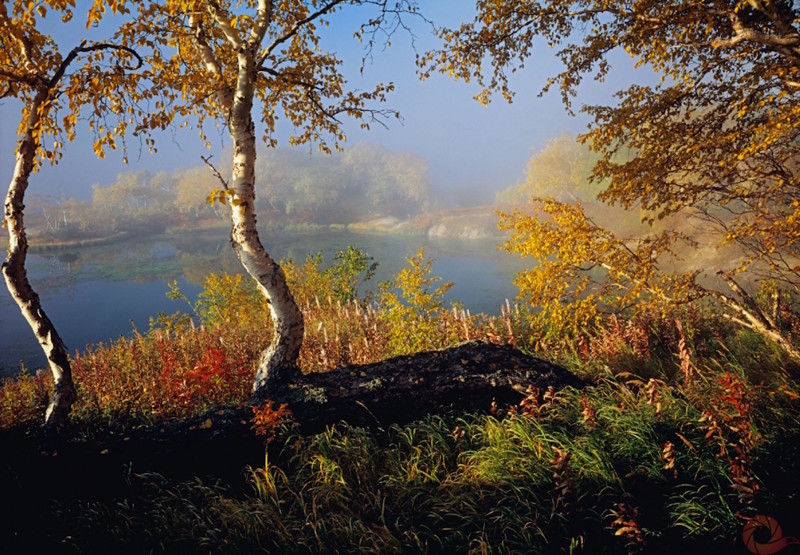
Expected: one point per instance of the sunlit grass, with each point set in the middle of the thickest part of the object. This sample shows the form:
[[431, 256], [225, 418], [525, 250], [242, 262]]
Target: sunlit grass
[[549, 483], [689, 425]]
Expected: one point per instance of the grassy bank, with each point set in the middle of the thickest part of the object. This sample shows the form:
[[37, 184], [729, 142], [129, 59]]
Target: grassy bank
[[686, 432]]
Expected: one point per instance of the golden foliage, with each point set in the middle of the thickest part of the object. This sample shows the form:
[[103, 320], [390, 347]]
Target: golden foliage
[[207, 56], [715, 139], [57, 82], [583, 270], [562, 169], [412, 301]]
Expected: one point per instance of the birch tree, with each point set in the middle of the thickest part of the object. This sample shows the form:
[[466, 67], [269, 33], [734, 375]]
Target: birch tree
[[223, 61], [53, 86], [716, 138]]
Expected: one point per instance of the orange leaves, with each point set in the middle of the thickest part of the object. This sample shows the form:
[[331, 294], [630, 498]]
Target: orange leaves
[[266, 420]]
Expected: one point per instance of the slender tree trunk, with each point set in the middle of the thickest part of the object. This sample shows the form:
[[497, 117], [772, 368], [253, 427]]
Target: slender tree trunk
[[16, 276], [279, 361], [746, 312]]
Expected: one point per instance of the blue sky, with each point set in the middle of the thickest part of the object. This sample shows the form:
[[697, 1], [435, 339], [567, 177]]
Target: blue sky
[[472, 150]]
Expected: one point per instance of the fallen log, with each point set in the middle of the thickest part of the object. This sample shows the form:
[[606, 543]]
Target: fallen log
[[464, 378]]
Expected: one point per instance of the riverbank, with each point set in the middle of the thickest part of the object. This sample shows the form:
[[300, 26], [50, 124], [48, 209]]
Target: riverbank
[[102, 292], [474, 223], [158, 459]]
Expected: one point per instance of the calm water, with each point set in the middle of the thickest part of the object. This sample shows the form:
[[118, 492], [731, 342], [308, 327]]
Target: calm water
[[102, 293]]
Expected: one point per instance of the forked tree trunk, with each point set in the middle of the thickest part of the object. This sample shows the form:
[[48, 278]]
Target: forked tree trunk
[[280, 359], [16, 276]]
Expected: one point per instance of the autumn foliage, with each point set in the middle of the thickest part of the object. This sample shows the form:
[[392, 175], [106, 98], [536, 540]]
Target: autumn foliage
[[687, 425], [713, 141]]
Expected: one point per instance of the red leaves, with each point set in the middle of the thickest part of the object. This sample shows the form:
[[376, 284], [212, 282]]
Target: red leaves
[[729, 419], [267, 420]]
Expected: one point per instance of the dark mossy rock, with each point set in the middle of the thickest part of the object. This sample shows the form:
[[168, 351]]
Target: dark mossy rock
[[465, 378]]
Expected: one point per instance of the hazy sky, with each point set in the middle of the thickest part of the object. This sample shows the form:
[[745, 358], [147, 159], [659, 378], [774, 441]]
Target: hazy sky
[[472, 150]]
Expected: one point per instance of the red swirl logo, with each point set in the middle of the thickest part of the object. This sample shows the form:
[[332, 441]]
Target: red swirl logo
[[776, 542]]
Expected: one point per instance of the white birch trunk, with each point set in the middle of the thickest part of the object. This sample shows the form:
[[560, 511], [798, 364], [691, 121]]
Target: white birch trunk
[[279, 361], [748, 314], [16, 276]]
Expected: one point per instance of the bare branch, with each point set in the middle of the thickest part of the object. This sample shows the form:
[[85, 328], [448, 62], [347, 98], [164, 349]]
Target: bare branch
[[298, 25], [207, 161]]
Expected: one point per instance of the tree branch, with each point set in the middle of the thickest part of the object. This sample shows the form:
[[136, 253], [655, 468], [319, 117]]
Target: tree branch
[[215, 11], [262, 22], [224, 94], [296, 28], [207, 161], [83, 48]]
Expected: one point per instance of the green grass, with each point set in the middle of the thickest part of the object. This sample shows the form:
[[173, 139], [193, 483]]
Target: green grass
[[649, 459], [468, 484]]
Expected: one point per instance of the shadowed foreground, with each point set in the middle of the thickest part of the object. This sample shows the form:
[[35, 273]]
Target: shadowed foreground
[[220, 443], [465, 378]]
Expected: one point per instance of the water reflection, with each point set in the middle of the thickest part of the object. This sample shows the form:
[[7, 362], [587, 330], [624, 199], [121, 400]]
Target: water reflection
[[96, 293]]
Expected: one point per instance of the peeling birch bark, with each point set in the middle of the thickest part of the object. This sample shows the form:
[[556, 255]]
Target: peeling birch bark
[[280, 358], [16, 276]]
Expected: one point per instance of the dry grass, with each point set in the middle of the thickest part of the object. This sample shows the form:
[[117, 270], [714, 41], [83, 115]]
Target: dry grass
[[691, 425]]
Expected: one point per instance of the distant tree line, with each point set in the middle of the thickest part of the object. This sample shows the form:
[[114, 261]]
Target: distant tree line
[[365, 181]]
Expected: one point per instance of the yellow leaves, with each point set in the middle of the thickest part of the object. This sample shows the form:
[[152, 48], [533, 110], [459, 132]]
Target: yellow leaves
[[224, 196], [98, 150], [583, 270], [215, 196], [95, 14], [98, 10]]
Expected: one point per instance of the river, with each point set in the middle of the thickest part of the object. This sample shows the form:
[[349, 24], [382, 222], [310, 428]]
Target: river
[[103, 292]]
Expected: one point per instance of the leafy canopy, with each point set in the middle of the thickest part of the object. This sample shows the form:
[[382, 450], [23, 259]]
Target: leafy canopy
[[195, 47], [58, 83], [716, 138]]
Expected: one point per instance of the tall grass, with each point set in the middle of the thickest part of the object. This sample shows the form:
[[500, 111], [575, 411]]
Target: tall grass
[[690, 427], [190, 361], [556, 481]]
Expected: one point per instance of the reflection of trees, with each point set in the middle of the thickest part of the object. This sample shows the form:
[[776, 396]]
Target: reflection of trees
[[195, 269], [161, 260]]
